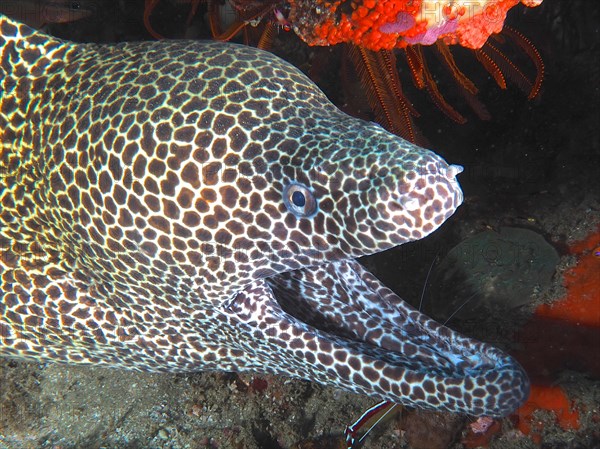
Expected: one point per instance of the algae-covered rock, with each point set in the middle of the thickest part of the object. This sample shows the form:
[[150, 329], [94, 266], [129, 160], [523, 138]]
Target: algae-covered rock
[[491, 272]]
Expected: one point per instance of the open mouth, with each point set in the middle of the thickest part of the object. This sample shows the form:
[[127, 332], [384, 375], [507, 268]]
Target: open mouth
[[338, 325]]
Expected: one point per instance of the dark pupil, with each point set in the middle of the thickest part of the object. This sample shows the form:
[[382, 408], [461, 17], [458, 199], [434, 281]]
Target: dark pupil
[[298, 199]]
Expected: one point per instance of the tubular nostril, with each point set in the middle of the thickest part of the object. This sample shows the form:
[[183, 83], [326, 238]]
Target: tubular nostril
[[453, 170]]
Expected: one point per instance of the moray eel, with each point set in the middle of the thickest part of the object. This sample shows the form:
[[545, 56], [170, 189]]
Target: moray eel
[[184, 206]]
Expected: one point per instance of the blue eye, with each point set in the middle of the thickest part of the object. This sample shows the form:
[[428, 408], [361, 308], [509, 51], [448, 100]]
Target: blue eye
[[299, 200]]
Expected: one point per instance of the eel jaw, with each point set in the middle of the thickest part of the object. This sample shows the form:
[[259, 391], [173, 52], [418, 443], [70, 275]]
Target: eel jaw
[[338, 325]]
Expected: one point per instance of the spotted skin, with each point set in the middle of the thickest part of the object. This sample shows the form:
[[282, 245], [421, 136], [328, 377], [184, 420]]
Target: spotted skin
[[146, 224]]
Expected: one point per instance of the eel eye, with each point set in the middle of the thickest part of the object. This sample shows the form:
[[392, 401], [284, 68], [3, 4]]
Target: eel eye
[[299, 200]]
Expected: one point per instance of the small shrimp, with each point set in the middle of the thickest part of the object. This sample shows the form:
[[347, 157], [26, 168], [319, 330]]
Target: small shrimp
[[281, 20], [373, 415]]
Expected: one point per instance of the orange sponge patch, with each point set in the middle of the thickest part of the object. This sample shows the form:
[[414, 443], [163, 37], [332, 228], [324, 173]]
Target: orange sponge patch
[[546, 398], [581, 305]]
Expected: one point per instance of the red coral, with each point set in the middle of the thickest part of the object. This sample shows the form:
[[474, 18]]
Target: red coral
[[560, 336], [546, 398], [330, 23], [388, 24], [564, 334], [581, 305]]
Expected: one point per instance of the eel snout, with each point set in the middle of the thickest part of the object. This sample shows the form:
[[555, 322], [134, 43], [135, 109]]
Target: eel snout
[[428, 194], [420, 197], [338, 325]]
